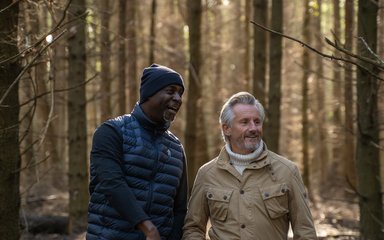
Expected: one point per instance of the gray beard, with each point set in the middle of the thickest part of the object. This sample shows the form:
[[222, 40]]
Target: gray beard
[[252, 147]]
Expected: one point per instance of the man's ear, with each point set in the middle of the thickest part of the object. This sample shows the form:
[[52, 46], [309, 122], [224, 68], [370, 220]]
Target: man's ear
[[226, 129]]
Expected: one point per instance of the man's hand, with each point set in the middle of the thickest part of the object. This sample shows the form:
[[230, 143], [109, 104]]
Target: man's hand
[[149, 229]]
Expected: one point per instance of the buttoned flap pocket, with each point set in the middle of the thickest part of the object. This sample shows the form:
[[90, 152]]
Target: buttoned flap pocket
[[276, 200], [218, 202]]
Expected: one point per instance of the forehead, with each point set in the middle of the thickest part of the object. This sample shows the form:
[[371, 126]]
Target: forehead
[[174, 87], [245, 111]]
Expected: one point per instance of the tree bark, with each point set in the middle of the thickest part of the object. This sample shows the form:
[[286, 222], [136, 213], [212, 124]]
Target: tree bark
[[367, 152], [132, 54], [60, 74], [237, 50], [304, 91], [152, 36], [321, 151], [272, 130], [175, 58], [247, 33], [380, 37], [349, 164], [260, 51], [44, 122], [29, 152], [122, 40], [105, 61], [77, 127], [217, 71], [337, 93], [195, 138], [9, 123]]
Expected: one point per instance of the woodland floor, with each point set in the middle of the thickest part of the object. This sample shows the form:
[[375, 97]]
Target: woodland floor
[[47, 218]]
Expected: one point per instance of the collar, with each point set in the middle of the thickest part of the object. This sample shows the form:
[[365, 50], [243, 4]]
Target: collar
[[259, 162], [147, 123], [244, 159]]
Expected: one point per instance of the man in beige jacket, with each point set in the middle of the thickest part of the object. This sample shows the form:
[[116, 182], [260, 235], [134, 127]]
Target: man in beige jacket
[[247, 192]]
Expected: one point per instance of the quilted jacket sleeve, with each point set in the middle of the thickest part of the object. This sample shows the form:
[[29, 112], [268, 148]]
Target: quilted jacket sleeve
[[180, 207]]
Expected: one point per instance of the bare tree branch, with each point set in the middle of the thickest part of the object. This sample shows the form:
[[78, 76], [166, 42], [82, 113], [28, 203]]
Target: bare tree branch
[[50, 115], [28, 66], [9, 6], [57, 27], [378, 63], [29, 114], [58, 90], [321, 53], [381, 61]]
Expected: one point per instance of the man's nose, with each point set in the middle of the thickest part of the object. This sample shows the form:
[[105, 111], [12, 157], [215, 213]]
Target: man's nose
[[252, 126], [177, 97]]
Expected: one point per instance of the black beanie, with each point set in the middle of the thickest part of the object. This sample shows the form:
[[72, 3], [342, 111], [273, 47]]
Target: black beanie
[[155, 78]]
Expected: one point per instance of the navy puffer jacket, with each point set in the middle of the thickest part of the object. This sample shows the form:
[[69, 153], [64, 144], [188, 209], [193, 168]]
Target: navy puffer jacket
[[137, 173]]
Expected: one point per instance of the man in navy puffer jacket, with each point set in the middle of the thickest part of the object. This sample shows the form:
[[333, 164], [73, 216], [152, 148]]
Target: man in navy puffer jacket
[[138, 182]]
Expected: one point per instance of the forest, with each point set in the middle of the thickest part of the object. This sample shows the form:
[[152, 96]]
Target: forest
[[67, 66]]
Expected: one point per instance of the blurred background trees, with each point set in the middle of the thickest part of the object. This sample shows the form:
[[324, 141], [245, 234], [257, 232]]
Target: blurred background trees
[[9, 122], [67, 66]]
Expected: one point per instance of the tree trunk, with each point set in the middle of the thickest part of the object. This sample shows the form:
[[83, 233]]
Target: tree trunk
[[45, 123], [237, 50], [272, 130], [349, 144], [177, 59], [28, 140], [152, 36], [367, 151], [380, 37], [321, 151], [217, 70], [337, 96], [195, 127], [260, 15], [77, 127], [9, 123], [59, 72], [132, 54], [304, 91], [122, 40], [48, 128], [247, 33], [105, 60]]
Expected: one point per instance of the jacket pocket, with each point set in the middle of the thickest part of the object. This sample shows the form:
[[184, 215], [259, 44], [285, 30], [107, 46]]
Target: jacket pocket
[[218, 202], [276, 200]]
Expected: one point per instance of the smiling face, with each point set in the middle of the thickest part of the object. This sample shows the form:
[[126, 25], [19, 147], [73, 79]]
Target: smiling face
[[163, 106], [246, 129]]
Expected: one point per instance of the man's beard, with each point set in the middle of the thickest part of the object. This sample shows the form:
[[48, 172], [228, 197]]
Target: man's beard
[[168, 118], [252, 146]]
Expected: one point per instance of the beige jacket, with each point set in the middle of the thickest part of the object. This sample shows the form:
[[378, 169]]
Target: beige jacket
[[257, 205]]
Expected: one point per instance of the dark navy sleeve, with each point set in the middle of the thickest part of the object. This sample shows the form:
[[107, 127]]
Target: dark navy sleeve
[[106, 162], [180, 207]]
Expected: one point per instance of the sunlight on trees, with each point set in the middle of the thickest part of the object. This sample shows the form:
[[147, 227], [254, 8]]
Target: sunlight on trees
[[75, 63]]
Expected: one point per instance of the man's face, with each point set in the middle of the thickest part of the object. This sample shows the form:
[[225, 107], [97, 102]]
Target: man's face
[[246, 130], [166, 103]]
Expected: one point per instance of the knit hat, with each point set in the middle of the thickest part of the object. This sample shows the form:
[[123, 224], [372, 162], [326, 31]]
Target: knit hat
[[155, 78]]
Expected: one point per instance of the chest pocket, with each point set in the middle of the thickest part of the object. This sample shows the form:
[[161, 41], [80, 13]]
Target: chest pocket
[[218, 202], [276, 200]]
